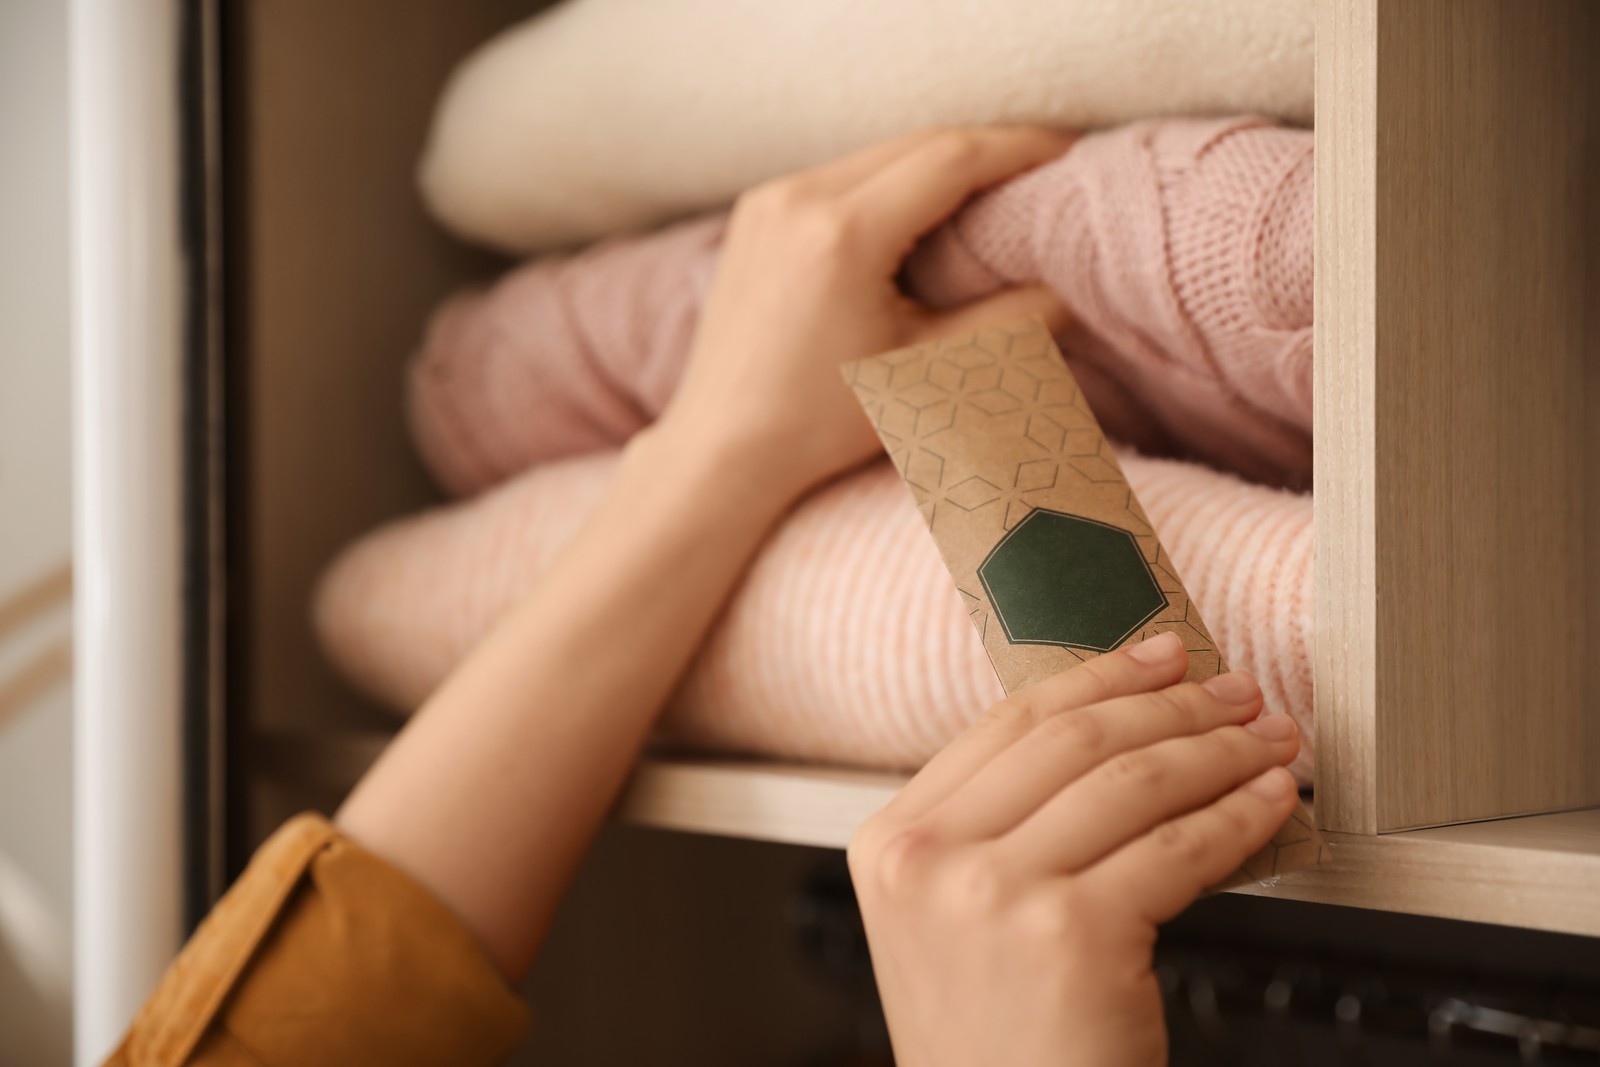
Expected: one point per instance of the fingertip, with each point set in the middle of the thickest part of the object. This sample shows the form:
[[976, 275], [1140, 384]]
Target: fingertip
[[1275, 785], [1163, 648], [1238, 688], [1276, 728], [1279, 732]]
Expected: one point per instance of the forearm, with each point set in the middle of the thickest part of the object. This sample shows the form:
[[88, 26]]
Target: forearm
[[491, 796]]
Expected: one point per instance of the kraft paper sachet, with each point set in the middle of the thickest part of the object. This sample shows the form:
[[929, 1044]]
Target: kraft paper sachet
[[1053, 556]]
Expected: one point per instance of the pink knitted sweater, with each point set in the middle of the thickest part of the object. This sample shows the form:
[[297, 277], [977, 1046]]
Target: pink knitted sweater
[[1183, 247]]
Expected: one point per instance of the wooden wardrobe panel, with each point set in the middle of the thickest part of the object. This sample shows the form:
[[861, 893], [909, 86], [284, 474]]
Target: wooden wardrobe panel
[[1456, 264], [335, 267], [1343, 563]]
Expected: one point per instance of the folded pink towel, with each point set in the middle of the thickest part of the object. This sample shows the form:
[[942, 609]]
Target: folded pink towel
[[1184, 248], [846, 642]]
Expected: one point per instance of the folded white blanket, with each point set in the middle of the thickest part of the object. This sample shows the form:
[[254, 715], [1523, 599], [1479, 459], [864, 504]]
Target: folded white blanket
[[600, 116]]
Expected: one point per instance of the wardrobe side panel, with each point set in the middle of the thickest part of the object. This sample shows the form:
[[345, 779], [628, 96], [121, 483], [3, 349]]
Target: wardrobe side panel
[[1344, 564], [1482, 345], [336, 270]]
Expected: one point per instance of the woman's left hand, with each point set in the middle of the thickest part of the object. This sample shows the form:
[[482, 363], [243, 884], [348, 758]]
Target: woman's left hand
[[807, 282], [1011, 892]]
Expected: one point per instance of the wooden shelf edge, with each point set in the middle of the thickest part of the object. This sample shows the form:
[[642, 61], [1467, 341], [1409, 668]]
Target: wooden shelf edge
[[1540, 871], [790, 804]]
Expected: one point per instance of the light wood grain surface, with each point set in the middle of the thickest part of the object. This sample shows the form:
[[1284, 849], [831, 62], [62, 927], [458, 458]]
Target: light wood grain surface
[[1344, 563], [1538, 872], [1456, 262], [1541, 872], [794, 805]]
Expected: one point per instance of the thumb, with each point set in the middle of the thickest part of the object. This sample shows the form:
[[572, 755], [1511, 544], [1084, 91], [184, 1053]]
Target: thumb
[[1007, 305]]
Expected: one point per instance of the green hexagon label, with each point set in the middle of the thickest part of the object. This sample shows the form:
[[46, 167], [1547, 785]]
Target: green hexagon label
[[1059, 579]]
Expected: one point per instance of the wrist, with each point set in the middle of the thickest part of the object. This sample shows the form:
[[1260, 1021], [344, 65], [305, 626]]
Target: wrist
[[723, 457], [778, 452]]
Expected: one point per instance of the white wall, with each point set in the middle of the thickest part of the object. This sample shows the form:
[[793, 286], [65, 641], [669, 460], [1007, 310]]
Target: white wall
[[35, 529]]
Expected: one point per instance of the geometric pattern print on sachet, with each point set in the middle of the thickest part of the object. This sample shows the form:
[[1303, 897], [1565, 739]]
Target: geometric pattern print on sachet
[[1054, 558]]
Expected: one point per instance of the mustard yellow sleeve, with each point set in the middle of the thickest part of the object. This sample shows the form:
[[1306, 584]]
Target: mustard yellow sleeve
[[323, 954]]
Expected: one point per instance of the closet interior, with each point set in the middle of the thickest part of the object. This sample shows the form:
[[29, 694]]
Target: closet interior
[[1456, 494]]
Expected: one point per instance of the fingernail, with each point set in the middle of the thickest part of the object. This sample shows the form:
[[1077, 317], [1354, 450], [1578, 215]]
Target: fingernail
[[1272, 727], [1235, 687], [1273, 784], [1158, 649]]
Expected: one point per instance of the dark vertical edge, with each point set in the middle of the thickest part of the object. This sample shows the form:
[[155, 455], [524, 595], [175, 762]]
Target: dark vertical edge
[[196, 181], [205, 590], [1588, 207], [231, 18]]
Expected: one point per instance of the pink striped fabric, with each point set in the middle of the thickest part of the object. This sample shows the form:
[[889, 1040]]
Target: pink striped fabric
[[847, 642]]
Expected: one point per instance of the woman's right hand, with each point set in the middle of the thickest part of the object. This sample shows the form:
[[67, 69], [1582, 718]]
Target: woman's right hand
[[1012, 891]]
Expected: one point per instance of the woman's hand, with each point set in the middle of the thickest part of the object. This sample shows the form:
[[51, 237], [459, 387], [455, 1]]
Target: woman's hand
[[1011, 892], [523, 750], [807, 281]]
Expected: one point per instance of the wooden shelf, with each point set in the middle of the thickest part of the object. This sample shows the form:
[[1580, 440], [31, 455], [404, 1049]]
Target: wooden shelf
[[1536, 871], [762, 801], [1539, 871]]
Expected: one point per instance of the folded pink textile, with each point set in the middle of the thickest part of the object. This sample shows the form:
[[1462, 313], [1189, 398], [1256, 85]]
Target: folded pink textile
[[1183, 247], [846, 642]]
